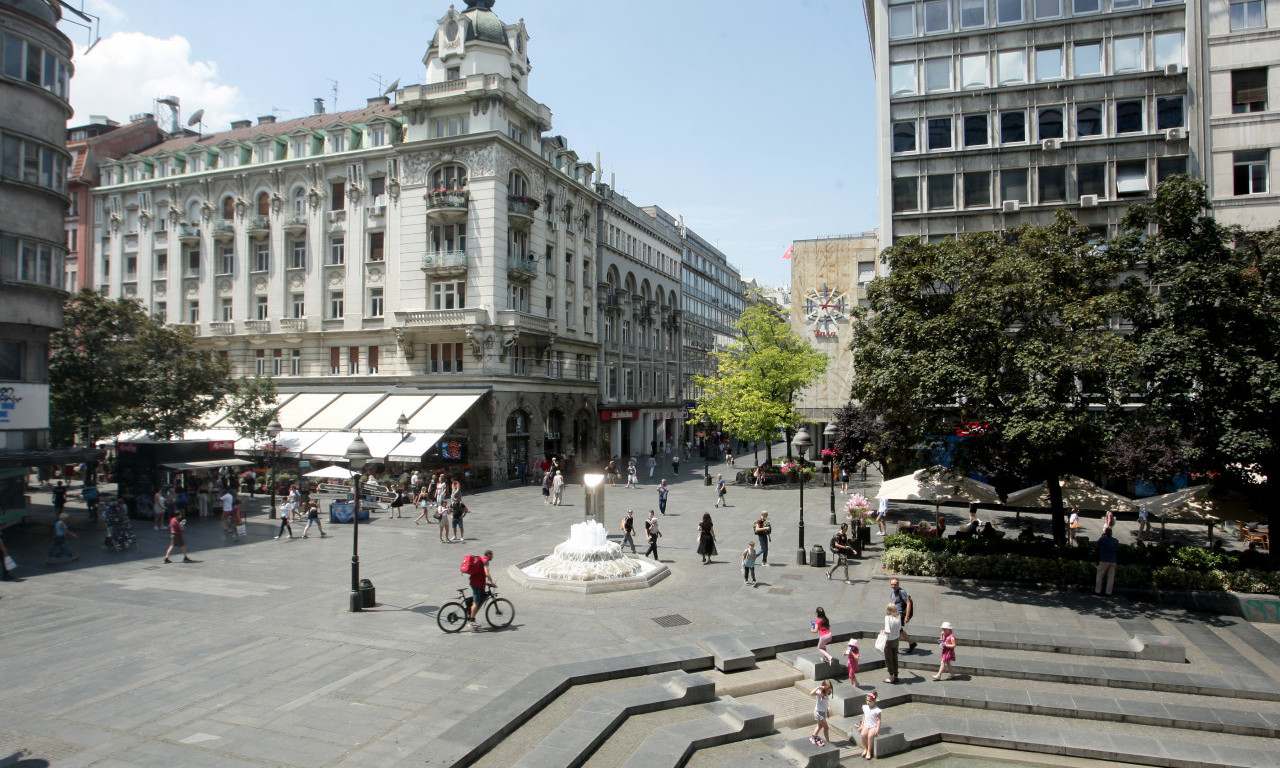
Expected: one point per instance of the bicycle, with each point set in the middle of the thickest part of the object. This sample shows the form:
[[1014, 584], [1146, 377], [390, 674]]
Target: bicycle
[[454, 615]]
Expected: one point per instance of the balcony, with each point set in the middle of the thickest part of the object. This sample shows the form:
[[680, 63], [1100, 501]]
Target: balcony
[[445, 263], [522, 267], [520, 210], [295, 223], [441, 318], [226, 328], [525, 321], [223, 230], [257, 326], [188, 232], [194, 328], [259, 226], [448, 205], [293, 324]]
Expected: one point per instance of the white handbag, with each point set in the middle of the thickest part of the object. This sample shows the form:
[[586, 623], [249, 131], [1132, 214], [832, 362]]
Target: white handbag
[[882, 640]]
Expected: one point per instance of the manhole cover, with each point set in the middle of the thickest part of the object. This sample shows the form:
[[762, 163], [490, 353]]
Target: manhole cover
[[791, 576], [674, 620], [781, 591]]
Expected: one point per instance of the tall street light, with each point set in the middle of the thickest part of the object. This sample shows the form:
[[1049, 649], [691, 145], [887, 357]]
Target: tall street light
[[800, 444], [830, 433], [273, 431], [357, 455]]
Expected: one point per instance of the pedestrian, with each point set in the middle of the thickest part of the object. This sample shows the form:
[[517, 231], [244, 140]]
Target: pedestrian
[[423, 502], [1108, 519], [862, 465], [251, 484], [720, 490], [546, 487], [882, 515], [157, 509], [653, 464], [60, 548], [906, 608], [870, 725], [4, 562], [202, 501], [749, 563], [663, 490], [455, 491], [841, 551], [479, 578], [59, 499], [759, 476], [177, 525], [442, 517], [632, 480], [415, 481], [237, 521], [457, 511], [675, 464], [763, 531], [891, 632], [1144, 520], [728, 454], [286, 518], [652, 534], [822, 626], [557, 489], [1073, 525], [823, 692], [228, 503], [948, 643], [628, 530], [611, 472], [1107, 550], [397, 503], [844, 480], [851, 658], [706, 538], [313, 516]]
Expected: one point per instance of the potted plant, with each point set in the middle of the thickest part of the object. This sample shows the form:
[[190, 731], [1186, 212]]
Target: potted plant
[[858, 509]]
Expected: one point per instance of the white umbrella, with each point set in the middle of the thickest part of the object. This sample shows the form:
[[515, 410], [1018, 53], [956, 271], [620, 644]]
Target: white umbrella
[[1076, 492], [937, 484], [336, 472]]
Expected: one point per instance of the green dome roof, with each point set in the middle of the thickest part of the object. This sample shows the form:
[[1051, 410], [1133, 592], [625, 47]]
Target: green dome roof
[[484, 24]]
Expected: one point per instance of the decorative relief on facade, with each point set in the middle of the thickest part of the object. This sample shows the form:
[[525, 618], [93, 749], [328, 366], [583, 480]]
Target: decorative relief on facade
[[260, 284], [296, 281], [403, 343], [335, 278], [159, 289], [480, 161], [224, 286], [192, 288], [130, 290], [375, 275], [416, 166]]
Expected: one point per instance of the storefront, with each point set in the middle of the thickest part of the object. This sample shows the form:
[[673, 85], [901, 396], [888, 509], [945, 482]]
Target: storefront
[[145, 466]]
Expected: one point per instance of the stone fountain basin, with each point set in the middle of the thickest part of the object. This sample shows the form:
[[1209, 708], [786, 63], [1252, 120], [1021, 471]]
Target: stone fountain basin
[[653, 573]]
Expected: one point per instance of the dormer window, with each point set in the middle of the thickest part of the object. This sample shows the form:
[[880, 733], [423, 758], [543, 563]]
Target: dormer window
[[162, 169], [194, 163], [377, 136], [300, 147], [337, 142], [228, 157]]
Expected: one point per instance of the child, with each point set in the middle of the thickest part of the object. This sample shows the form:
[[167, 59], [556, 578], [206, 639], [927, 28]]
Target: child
[[948, 643], [823, 692], [851, 657], [286, 517], [822, 626], [236, 521], [749, 563], [870, 725]]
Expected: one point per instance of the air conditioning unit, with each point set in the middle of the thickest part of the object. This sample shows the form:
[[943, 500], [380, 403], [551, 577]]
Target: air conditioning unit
[[1173, 69], [1049, 145], [1010, 206], [337, 216], [1175, 134], [1088, 201], [377, 210]]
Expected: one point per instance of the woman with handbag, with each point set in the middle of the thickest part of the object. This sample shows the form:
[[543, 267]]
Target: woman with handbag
[[887, 641], [706, 538]]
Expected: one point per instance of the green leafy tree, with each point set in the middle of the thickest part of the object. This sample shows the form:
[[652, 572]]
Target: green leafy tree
[[861, 435], [758, 378], [252, 406], [179, 384], [1010, 332]]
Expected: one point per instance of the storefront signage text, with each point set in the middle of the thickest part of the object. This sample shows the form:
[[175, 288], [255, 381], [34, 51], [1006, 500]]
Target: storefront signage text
[[615, 415]]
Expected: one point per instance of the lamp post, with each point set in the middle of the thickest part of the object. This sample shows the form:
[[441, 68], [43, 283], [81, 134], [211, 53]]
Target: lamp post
[[357, 455], [800, 444], [830, 433], [273, 431]]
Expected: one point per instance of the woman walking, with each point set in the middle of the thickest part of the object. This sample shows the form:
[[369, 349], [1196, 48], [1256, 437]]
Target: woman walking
[[286, 517], [313, 516], [652, 534], [822, 626], [948, 643], [60, 548], [546, 487], [823, 692], [398, 503], [892, 629], [706, 538], [632, 480], [870, 725], [423, 502], [557, 489]]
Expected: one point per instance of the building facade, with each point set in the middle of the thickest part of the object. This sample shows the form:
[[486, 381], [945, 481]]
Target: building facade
[[713, 302]]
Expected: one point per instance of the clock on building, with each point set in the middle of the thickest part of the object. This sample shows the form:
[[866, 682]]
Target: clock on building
[[823, 308]]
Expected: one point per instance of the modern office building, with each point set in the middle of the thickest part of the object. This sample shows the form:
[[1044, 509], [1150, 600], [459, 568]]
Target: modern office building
[[713, 303]]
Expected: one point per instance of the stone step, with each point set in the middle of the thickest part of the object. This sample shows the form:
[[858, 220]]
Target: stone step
[[671, 745], [764, 676], [791, 708]]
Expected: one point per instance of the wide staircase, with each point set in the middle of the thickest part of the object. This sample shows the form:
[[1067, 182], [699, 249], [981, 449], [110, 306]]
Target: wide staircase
[[1192, 697]]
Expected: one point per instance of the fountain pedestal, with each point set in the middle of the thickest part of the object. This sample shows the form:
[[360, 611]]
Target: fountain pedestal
[[588, 562]]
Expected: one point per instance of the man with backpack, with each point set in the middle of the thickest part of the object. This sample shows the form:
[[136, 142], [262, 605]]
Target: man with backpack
[[478, 576]]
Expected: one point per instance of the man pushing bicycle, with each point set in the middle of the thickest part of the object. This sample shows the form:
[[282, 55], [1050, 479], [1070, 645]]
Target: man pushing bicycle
[[479, 577]]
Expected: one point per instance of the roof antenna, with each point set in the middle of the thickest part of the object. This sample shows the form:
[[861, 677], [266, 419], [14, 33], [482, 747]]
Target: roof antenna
[[197, 118], [335, 93], [89, 22]]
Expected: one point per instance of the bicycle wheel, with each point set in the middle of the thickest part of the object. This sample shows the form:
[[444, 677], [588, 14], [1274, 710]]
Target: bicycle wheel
[[452, 617], [500, 613]]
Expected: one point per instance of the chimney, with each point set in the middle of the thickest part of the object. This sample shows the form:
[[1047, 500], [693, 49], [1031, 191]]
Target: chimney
[[266, 119], [379, 101], [238, 124], [319, 109]]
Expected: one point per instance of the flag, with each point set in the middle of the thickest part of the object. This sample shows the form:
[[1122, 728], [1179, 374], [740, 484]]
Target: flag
[[790, 248]]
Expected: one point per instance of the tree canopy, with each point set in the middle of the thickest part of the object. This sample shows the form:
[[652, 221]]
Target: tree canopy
[[252, 406]]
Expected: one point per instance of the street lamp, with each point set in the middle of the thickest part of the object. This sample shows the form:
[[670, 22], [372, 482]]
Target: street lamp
[[402, 424], [830, 433], [800, 444], [273, 431], [357, 455]]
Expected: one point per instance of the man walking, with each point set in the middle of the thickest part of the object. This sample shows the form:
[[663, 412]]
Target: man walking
[[720, 489], [899, 597], [663, 490], [557, 489], [653, 534], [675, 464], [176, 525], [628, 529], [842, 550], [763, 531], [1107, 549], [228, 505], [59, 499]]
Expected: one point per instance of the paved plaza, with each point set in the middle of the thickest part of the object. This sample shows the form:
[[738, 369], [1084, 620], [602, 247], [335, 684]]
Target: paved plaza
[[249, 657]]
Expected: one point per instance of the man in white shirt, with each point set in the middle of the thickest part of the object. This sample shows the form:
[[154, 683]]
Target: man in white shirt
[[228, 504]]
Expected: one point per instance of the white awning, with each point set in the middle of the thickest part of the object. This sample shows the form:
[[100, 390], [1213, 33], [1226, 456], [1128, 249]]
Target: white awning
[[384, 416], [441, 413], [299, 409], [333, 445], [414, 446], [211, 464], [341, 413], [293, 443]]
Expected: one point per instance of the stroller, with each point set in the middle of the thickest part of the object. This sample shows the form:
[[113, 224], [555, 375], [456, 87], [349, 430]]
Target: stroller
[[119, 530]]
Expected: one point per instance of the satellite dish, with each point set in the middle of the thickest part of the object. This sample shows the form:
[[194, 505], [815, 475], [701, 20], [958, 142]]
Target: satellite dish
[[196, 117], [392, 88]]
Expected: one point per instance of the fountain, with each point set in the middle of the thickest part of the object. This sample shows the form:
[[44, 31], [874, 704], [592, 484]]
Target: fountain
[[588, 562]]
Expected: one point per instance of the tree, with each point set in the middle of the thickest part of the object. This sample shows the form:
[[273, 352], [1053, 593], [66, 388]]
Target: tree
[[180, 384], [758, 377], [1011, 332], [861, 435], [252, 404]]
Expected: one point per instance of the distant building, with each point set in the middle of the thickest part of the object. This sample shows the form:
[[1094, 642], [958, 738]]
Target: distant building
[[713, 303]]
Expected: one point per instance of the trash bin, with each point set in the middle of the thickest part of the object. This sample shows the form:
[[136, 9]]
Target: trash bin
[[707, 480], [818, 556], [367, 598]]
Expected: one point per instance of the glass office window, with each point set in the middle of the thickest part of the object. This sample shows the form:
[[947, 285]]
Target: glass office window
[[1128, 54], [902, 21], [1011, 67], [1048, 64], [974, 71], [1086, 59]]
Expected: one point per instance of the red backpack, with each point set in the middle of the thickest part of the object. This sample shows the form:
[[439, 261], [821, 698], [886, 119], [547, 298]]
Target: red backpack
[[472, 565]]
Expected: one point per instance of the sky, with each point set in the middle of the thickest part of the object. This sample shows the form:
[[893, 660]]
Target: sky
[[754, 120]]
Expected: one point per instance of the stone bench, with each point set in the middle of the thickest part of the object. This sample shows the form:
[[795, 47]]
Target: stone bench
[[728, 721]]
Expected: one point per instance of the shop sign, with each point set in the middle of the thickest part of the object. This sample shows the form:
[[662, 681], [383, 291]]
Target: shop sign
[[551, 436], [127, 447], [222, 445], [24, 406], [824, 334], [304, 464], [616, 415]]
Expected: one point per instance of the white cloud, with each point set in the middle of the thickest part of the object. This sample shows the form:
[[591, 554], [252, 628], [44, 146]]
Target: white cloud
[[126, 72]]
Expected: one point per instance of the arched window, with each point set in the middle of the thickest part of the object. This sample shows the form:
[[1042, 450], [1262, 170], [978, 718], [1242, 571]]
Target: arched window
[[450, 176], [264, 204], [300, 201], [516, 185], [228, 207]]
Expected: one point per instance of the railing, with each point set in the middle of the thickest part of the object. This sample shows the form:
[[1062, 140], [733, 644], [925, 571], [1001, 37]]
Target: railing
[[293, 324], [510, 318], [193, 327], [257, 326], [441, 317], [295, 222], [525, 264], [259, 225], [188, 231], [223, 229], [444, 260], [226, 328], [522, 206], [448, 199]]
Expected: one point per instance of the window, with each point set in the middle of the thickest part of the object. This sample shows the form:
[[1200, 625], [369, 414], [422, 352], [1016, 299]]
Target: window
[[1247, 14], [11, 353], [1047, 9], [1048, 64], [906, 195], [338, 251], [942, 191], [226, 310], [295, 362], [1170, 166], [375, 302], [866, 272], [335, 360], [1168, 48], [353, 360], [228, 208], [1250, 172], [902, 21], [1117, 5], [1049, 122], [260, 304], [449, 237], [451, 126], [937, 75], [1129, 116], [373, 360], [261, 257], [453, 73], [336, 308], [449, 177], [300, 201], [1085, 6], [1128, 55], [375, 246], [1131, 177], [1087, 59], [260, 362], [445, 358], [1091, 179], [298, 254], [977, 189], [337, 142], [974, 72], [1170, 112], [973, 13], [975, 131], [1011, 67], [264, 204], [227, 261], [1088, 120], [904, 137], [162, 263], [1249, 90], [1008, 11], [1013, 127], [338, 196], [193, 311], [299, 302], [449, 295], [1013, 184], [517, 297], [937, 16], [902, 79], [1053, 183], [940, 133], [378, 189]]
